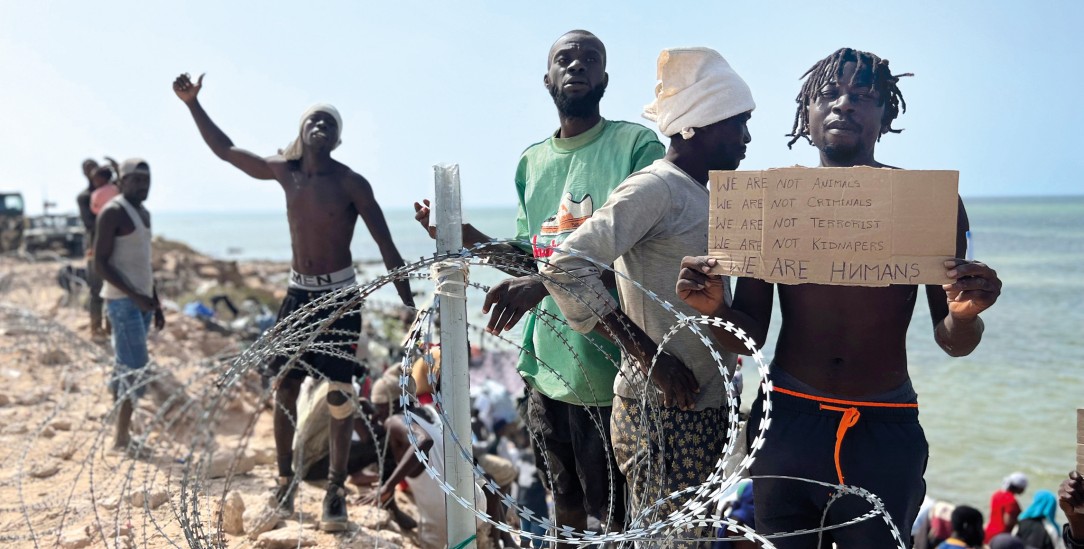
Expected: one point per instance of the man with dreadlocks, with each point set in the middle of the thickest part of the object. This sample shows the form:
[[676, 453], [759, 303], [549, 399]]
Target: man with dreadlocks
[[843, 408]]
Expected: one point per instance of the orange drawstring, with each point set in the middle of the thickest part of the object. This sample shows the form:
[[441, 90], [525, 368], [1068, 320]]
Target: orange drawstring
[[850, 415]]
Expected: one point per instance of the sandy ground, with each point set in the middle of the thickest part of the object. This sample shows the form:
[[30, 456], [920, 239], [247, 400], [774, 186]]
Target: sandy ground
[[60, 485]]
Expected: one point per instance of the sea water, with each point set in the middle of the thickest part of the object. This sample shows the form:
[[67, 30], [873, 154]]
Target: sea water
[[1008, 406]]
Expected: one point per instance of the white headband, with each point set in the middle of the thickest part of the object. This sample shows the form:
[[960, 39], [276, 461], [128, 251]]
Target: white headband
[[696, 88], [293, 150]]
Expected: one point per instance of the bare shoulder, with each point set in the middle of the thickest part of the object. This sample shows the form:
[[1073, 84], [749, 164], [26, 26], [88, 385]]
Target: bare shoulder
[[354, 179], [395, 424], [111, 210], [278, 164], [355, 184]]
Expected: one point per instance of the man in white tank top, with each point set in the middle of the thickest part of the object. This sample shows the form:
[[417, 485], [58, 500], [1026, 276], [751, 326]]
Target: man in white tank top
[[122, 255]]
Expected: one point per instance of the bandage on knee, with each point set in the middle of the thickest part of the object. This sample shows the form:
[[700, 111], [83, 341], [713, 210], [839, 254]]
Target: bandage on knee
[[337, 390]]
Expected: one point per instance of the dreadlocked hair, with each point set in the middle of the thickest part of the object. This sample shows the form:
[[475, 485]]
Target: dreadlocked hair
[[868, 67]]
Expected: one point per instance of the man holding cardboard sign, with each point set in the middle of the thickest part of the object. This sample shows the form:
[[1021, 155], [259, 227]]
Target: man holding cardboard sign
[[843, 407]]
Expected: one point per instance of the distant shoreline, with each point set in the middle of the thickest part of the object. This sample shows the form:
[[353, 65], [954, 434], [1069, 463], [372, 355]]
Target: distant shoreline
[[470, 208]]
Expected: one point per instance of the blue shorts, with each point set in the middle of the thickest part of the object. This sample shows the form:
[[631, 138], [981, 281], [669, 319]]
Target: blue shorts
[[130, 328]]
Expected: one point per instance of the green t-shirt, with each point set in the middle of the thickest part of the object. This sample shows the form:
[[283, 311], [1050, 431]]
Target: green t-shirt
[[560, 183]]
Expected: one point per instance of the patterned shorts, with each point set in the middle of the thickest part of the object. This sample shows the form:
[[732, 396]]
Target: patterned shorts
[[667, 451]]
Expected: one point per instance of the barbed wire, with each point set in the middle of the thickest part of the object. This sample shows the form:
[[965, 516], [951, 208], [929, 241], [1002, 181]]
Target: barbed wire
[[172, 484]]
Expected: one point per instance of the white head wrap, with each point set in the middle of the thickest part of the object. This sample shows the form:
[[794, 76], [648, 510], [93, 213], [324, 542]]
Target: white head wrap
[[696, 88], [1016, 480], [293, 150]]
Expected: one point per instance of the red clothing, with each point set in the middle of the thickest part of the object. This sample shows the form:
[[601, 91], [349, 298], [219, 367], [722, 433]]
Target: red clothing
[[1003, 501]]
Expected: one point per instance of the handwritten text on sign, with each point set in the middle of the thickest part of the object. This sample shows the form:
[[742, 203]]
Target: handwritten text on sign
[[847, 226]]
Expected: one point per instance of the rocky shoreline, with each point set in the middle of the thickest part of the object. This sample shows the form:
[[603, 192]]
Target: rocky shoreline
[[209, 461]]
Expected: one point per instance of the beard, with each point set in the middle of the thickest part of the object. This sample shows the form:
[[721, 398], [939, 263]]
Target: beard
[[577, 107], [841, 153]]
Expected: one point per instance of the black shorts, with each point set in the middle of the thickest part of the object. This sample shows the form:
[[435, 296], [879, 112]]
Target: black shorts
[[319, 362], [885, 452], [575, 454]]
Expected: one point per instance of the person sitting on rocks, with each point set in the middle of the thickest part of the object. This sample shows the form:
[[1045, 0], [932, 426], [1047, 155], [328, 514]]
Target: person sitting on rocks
[[312, 459], [426, 429]]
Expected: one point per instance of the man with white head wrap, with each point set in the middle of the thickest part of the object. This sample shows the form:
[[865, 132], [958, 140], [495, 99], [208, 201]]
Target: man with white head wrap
[[294, 150], [324, 199], [654, 218]]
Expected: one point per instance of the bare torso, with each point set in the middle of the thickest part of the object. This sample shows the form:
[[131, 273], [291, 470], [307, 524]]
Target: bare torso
[[849, 341], [322, 216]]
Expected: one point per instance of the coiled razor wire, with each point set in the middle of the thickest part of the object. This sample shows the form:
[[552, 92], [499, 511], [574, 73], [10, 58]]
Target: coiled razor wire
[[210, 399]]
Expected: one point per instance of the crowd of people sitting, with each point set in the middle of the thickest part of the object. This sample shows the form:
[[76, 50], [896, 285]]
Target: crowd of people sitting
[[941, 525]]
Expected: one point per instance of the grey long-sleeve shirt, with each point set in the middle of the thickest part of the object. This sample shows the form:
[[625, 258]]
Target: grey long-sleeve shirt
[[650, 222]]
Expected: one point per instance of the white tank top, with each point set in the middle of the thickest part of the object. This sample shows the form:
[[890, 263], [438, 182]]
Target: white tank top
[[428, 497], [131, 257]]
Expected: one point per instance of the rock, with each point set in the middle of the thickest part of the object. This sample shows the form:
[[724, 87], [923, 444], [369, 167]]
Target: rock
[[233, 514], [54, 357], [98, 412], [45, 470], [208, 271], [288, 524], [109, 503], [5, 400], [285, 538], [47, 432], [369, 538], [213, 343], [153, 499], [61, 425], [75, 539], [220, 463], [373, 518], [64, 452], [70, 384], [15, 429], [265, 456], [264, 517], [40, 396]]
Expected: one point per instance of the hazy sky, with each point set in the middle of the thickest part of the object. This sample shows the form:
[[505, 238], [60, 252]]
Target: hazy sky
[[995, 96]]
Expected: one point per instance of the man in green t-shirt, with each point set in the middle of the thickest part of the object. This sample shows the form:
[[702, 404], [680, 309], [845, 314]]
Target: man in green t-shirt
[[560, 182]]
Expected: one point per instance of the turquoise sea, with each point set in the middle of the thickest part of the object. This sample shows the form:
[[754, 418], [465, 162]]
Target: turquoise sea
[[1009, 406]]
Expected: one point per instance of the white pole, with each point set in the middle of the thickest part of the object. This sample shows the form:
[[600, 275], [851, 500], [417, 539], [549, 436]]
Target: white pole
[[454, 380]]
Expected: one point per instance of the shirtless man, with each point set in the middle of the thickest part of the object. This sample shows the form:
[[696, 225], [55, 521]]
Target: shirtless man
[[844, 343], [323, 201]]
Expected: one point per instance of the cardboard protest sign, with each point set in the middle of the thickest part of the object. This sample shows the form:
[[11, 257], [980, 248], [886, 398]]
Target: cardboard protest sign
[[847, 226]]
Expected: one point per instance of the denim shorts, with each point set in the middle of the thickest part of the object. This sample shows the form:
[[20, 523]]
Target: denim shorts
[[130, 328]]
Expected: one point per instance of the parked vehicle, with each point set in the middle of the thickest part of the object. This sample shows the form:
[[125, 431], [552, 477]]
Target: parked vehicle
[[11, 221], [60, 233]]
